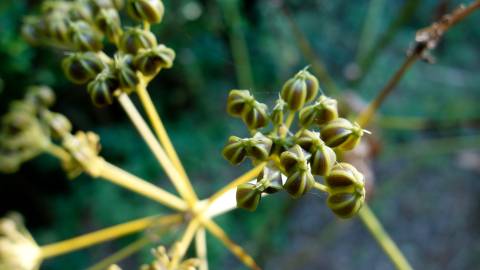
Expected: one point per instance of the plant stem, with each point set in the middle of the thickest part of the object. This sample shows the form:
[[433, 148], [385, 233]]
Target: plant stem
[[121, 254], [290, 118], [321, 187], [382, 237], [162, 135], [201, 248], [237, 250], [154, 146], [129, 181], [94, 238], [182, 246]]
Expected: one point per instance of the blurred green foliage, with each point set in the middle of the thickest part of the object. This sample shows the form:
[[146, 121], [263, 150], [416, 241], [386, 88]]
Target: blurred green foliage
[[191, 99]]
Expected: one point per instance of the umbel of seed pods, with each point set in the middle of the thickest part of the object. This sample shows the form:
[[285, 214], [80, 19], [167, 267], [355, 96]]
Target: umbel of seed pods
[[296, 160], [80, 27]]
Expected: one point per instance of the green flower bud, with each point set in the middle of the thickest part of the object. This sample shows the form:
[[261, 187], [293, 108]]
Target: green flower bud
[[151, 61], [146, 10], [248, 197], [322, 157], [235, 151], [59, 125], [238, 101], [33, 30], [344, 175], [56, 28], [278, 112], [101, 89], [84, 37], [342, 134], [135, 39], [256, 115], [41, 96], [258, 147], [299, 183], [346, 203], [126, 75], [80, 68], [300, 89], [293, 160], [320, 113], [108, 21]]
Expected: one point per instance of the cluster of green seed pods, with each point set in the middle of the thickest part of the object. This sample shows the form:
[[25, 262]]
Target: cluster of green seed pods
[[296, 161], [80, 27]]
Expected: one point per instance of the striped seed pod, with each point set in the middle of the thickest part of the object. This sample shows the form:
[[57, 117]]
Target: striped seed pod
[[33, 30], [125, 72], [270, 180], [238, 101], [108, 21], [235, 151], [151, 61], [248, 196], [81, 11], [300, 89], [321, 112], [294, 159], [345, 203], [344, 175], [258, 147], [146, 10], [322, 157], [84, 37], [56, 28], [342, 134], [135, 39], [101, 89], [41, 96], [80, 68], [255, 116], [278, 112], [299, 182]]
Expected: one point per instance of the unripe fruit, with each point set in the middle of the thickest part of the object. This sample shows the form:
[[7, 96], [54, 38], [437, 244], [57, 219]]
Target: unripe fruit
[[300, 89], [59, 125], [41, 96], [322, 157], [344, 175], [146, 10], [346, 203], [135, 39], [56, 28], [234, 151], [101, 89], [248, 197], [342, 134], [299, 183], [270, 180], [255, 116], [278, 112], [80, 68], [108, 21], [321, 112], [33, 30], [238, 102], [293, 160], [151, 61], [258, 147], [125, 73]]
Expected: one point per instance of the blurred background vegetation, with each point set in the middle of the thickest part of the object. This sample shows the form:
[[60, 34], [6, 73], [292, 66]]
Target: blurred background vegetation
[[427, 172]]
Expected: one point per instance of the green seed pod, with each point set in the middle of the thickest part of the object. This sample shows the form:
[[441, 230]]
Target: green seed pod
[[136, 38], [322, 157], [235, 151], [258, 147], [248, 197], [344, 175], [84, 37], [299, 183], [33, 30], [101, 89], [56, 28], [81, 10], [294, 159], [278, 112], [323, 111], [80, 68], [346, 203], [146, 10], [124, 70], [98, 5], [238, 102], [280, 144], [342, 134], [300, 89], [270, 181], [151, 61], [42, 96], [255, 116], [108, 21], [59, 125]]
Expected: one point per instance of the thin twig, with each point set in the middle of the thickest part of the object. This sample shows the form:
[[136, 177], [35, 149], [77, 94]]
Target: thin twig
[[201, 248], [121, 254]]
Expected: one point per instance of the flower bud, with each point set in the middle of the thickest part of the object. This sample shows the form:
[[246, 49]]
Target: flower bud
[[345, 203], [126, 75], [235, 151], [344, 175], [320, 113], [300, 89], [82, 67], [293, 160], [108, 21], [258, 147], [278, 112], [41, 96], [342, 134], [56, 28], [101, 89], [146, 10], [255, 116], [299, 183], [134, 39], [322, 157], [248, 197], [84, 37], [151, 61], [33, 30], [238, 101]]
